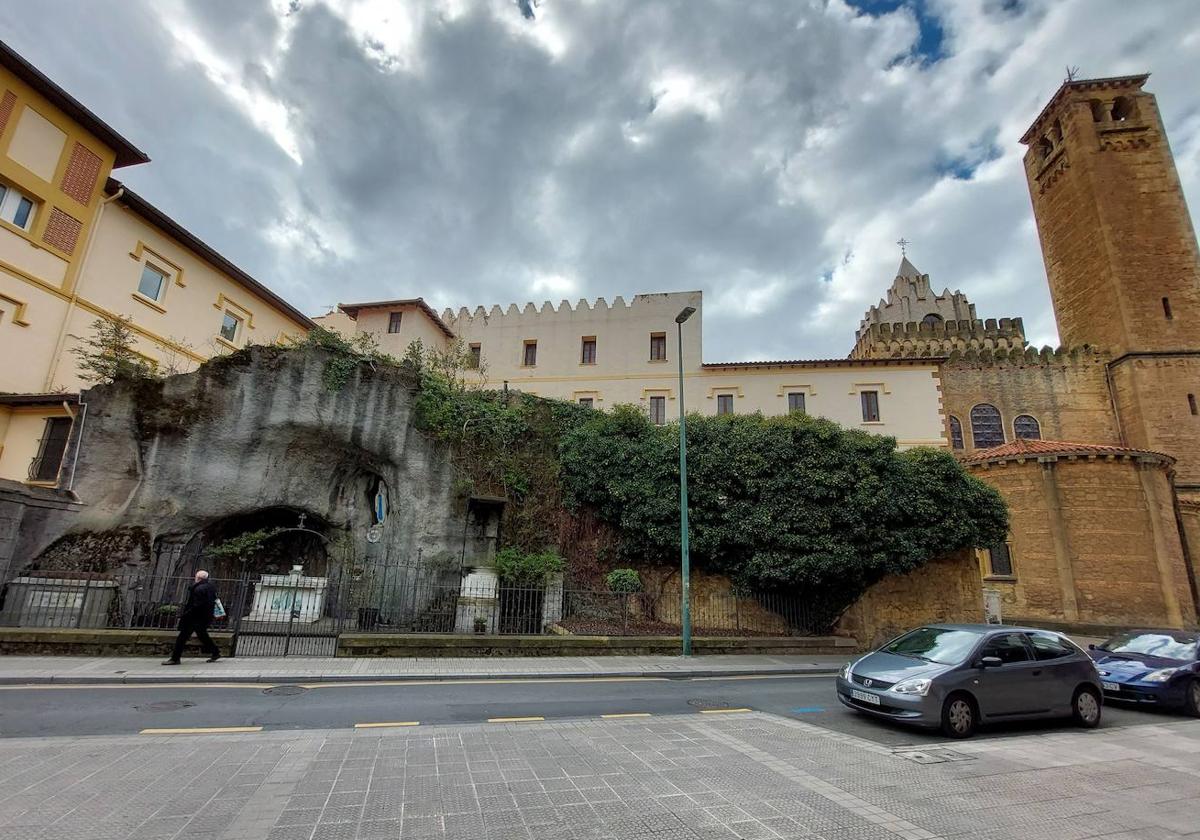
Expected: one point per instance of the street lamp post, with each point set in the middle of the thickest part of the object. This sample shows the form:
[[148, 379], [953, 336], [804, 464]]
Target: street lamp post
[[686, 585]]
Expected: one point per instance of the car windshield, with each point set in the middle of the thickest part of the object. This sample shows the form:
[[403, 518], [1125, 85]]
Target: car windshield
[[1169, 644], [935, 644]]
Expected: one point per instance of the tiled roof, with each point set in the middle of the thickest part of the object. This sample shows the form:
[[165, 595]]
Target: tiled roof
[[843, 362], [1022, 448]]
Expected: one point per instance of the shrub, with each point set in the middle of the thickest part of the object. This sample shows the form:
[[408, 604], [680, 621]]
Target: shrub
[[624, 580], [519, 568]]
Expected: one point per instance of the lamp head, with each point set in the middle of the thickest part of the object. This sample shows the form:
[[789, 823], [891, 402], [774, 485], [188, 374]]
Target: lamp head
[[688, 312]]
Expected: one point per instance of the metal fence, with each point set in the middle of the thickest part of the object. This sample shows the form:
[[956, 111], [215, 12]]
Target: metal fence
[[282, 614]]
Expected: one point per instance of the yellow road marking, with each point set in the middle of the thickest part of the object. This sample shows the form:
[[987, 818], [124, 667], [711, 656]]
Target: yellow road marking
[[513, 719], [202, 730], [722, 711], [386, 725]]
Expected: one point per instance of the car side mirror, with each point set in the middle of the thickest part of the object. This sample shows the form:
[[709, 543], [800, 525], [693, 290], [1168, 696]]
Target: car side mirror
[[1091, 647], [991, 662]]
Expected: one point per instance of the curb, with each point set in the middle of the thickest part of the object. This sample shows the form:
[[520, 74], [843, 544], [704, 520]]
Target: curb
[[268, 679]]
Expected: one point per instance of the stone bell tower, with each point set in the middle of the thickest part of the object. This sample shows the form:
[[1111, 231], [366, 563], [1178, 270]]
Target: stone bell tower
[[1121, 256]]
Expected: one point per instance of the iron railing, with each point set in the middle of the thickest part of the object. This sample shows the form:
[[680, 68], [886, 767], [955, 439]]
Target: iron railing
[[395, 600]]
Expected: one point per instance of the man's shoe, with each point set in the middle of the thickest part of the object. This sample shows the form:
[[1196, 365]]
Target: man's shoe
[[213, 658], [171, 662]]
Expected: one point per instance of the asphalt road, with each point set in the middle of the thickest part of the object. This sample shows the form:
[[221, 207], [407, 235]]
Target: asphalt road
[[45, 711]]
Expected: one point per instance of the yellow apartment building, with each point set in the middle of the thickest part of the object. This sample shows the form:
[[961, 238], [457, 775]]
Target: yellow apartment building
[[77, 245]]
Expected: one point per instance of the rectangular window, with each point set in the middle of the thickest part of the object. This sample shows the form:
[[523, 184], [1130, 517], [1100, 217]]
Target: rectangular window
[[724, 403], [394, 321], [587, 353], [1192, 404], [153, 283], [1000, 560], [870, 406], [50, 449], [658, 347], [16, 208], [1167, 309], [586, 402], [230, 324], [658, 410], [796, 402], [530, 357], [474, 356]]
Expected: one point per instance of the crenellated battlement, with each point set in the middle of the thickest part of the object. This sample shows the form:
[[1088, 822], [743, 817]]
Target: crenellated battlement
[[923, 338], [648, 304], [1046, 356]]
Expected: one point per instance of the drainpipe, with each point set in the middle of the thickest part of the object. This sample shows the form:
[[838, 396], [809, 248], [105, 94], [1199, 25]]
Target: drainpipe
[[87, 252], [1112, 399]]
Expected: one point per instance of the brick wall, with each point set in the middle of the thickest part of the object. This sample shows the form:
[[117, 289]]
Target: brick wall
[[1152, 396]]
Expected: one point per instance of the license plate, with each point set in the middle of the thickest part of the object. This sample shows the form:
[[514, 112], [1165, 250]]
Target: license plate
[[864, 696], [1107, 686]]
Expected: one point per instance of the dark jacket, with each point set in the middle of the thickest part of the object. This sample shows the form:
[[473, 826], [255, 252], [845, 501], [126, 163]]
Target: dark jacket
[[198, 608]]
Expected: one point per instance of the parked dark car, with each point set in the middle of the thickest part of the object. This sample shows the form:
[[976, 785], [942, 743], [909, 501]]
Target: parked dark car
[[1152, 668], [957, 676]]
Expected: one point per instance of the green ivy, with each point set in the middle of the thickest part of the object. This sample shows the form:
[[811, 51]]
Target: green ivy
[[777, 502], [520, 568], [243, 545]]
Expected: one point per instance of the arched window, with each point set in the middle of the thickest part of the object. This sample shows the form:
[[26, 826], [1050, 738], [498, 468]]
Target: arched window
[[1099, 110], [1122, 108], [986, 428], [1025, 427], [1045, 147], [932, 319], [956, 438]]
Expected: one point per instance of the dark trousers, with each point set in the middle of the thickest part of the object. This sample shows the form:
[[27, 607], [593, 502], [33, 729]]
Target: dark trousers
[[189, 626]]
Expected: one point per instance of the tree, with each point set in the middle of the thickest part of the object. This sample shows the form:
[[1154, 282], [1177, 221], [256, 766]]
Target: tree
[[108, 356], [791, 502]]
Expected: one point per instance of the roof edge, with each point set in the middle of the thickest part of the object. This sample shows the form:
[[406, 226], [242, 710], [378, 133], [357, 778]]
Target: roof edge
[[127, 154], [1013, 451], [139, 205], [351, 310], [1137, 79]]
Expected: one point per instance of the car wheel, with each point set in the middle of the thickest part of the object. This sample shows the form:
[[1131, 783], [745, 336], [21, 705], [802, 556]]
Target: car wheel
[[1085, 708], [1191, 698], [959, 718]]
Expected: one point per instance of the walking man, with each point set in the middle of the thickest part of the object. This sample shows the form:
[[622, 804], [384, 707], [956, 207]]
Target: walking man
[[196, 615]]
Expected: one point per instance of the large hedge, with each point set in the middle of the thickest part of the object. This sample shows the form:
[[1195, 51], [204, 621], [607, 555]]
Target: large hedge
[[777, 502]]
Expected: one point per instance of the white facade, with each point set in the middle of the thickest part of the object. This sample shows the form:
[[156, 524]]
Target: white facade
[[622, 365]]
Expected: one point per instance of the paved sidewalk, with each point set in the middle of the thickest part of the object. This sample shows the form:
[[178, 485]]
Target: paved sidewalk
[[21, 670], [716, 777]]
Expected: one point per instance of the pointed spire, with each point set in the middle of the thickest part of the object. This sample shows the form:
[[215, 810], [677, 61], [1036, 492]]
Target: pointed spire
[[907, 269]]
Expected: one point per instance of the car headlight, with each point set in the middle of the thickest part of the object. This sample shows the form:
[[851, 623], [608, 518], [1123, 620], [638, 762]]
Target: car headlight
[[1161, 675], [918, 686], [845, 672]]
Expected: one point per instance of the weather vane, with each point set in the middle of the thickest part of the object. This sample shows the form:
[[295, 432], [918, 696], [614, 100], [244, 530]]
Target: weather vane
[[1072, 72], [903, 243]]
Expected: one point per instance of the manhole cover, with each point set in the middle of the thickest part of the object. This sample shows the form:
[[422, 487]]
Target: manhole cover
[[165, 706], [284, 690], [709, 703]]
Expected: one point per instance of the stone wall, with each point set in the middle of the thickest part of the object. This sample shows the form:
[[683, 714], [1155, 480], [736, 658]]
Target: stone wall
[[1066, 391], [943, 590], [255, 431], [1093, 541], [26, 512], [1152, 395]]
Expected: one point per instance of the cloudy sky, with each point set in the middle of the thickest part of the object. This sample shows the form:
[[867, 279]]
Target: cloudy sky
[[768, 152]]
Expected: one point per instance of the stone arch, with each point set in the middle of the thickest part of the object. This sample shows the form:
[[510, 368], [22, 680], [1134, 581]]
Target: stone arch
[[932, 320], [302, 539], [956, 434], [987, 427], [1122, 108]]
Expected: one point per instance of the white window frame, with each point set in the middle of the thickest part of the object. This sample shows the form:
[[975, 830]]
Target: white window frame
[[237, 329], [161, 272], [9, 203]]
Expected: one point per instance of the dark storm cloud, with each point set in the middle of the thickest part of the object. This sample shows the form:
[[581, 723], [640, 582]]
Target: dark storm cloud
[[495, 151]]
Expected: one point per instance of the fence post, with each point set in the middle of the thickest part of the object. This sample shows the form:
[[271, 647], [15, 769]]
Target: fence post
[[83, 603], [239, 605], [737, 611]]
